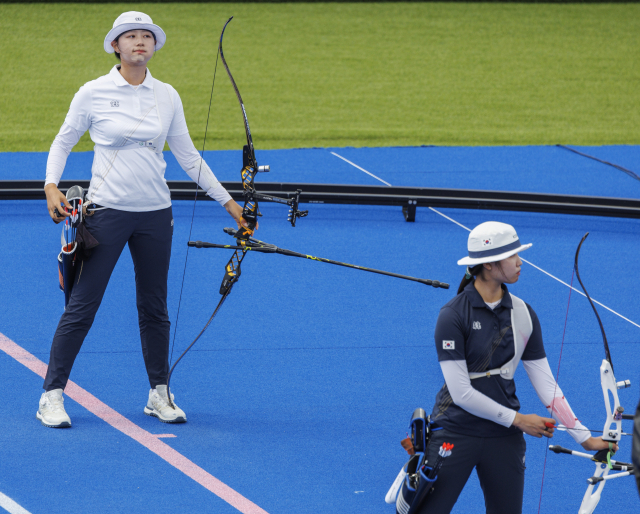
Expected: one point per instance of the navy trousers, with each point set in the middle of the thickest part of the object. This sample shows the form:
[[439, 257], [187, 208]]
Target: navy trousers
[[149, 236], [498, 461]]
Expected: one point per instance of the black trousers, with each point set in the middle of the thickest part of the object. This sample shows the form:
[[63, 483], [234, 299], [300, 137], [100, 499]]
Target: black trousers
[[149, 236], [499, 462]]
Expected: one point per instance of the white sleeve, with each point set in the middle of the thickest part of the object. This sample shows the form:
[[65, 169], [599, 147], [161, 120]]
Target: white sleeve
[[196, 167], [179, 122], [456, 375], [66, 139], [79, 115], [552, 398]]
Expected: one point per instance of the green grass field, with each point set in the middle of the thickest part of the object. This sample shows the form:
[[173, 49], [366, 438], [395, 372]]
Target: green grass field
[[341, 74]]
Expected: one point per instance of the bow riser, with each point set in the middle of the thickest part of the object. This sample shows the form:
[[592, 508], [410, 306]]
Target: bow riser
[[613, 425], [611, 432], [232, 271]]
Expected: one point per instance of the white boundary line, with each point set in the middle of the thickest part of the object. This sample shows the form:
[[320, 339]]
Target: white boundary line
[[523, 260], [450, 219], [10, 506], [361, 169], [546, 273], [580, 292]]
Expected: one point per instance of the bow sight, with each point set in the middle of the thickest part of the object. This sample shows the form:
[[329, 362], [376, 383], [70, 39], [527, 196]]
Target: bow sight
[[249, 169]]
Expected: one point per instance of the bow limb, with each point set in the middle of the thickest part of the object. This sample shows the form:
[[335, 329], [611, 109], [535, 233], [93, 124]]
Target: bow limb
[[232, 274], [604, 336], [252, 154], [224, 297], [250, 210]]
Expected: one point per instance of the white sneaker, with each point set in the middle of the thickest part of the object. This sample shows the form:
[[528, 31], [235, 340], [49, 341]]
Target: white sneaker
[[158, 407], [51, 412]]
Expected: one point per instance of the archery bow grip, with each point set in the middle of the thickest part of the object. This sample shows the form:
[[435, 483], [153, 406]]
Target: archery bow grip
[[245, 232], [249, 213]]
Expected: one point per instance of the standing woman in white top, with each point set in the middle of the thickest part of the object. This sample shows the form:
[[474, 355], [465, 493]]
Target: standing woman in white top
[[129, 115]]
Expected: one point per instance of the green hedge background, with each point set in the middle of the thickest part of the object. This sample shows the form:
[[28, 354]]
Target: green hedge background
[[346, 74]]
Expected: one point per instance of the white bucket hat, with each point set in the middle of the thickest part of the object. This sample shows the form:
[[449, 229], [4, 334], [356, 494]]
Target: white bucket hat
[[490, 242], [133, 20]]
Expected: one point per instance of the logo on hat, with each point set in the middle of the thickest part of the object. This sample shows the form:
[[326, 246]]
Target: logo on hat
[[487, 242], [134, 20], [115, 103]]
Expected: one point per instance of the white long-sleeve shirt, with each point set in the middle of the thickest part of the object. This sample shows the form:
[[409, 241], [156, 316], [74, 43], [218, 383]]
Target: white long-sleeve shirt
[[117, 113], [456, 375]]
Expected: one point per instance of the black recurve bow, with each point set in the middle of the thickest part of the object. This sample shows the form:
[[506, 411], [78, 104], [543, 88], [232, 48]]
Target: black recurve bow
[[250, 211]]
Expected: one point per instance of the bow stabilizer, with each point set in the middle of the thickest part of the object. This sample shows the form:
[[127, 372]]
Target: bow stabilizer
[[252, 244]]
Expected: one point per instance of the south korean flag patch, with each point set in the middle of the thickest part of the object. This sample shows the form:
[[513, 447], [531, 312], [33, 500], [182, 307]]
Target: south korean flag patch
[[448, 345]]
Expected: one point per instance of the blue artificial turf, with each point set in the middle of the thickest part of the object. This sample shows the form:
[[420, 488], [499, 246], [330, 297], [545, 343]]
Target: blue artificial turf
[[300, 391], [541, 169]]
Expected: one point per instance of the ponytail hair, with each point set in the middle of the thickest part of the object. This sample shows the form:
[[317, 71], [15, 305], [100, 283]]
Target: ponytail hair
[[469, 275]]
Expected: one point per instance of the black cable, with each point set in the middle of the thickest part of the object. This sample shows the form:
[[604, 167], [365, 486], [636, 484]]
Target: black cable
[[628, 172]]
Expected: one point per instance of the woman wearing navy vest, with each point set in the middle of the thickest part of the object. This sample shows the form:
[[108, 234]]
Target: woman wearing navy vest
[[480, 336], [129, 115]]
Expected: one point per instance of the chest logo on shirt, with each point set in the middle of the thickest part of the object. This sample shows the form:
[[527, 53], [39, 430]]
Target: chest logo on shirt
[[448, 345], [115, 103], [476, 325]]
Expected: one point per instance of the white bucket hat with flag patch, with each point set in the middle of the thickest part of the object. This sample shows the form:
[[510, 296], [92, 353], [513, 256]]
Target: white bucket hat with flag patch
[[490, 242], [133, 20]]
